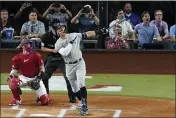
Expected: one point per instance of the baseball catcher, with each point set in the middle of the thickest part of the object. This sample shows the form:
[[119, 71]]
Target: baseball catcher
[[31, 68]]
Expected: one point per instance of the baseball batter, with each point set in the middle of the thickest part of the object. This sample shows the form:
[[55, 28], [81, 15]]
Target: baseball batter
[[31, 68], [68, 45]]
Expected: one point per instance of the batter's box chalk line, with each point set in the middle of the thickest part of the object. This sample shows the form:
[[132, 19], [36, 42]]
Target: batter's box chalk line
[[20, 113], [116, 114]]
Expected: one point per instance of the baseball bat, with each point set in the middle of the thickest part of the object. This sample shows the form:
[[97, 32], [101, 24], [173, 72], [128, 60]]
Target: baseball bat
[[117, 22]]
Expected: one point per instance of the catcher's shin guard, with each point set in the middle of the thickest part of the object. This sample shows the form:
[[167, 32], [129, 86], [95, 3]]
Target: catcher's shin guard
[[14, 86], [44, 99]]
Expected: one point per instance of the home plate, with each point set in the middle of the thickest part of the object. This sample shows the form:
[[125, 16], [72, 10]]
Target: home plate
[[44, 115]]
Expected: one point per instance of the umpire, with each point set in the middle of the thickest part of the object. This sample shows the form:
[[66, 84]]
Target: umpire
[[53, 61]]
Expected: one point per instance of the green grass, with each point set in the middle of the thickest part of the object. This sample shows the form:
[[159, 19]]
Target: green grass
[[150, 86]]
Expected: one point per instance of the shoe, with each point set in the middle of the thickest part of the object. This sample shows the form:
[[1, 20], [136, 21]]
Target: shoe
[[84, 109], [15, 102], [38, 100]]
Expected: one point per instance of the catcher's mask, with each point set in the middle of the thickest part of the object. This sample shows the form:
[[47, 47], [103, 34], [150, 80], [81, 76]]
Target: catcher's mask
[[27, 43]]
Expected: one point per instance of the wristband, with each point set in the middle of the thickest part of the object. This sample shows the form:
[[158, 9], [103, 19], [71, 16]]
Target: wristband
[[21, 9]]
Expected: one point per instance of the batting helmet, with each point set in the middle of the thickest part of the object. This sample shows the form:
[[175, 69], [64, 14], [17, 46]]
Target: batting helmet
[[59, 26]]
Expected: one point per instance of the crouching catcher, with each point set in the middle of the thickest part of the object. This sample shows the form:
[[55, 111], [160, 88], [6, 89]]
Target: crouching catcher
[[31, 68]]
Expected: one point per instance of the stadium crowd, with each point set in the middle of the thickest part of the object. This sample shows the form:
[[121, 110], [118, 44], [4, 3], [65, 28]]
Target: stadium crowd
[[127, 30]]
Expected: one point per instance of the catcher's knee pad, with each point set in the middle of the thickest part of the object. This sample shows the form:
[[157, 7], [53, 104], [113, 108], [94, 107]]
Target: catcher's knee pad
[[14, 86], [14, 83], [44, 99]]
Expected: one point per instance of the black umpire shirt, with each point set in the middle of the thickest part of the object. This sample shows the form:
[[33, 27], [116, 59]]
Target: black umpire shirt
[[48, 40]]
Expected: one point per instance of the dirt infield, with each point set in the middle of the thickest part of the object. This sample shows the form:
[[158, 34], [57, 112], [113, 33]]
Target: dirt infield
[[99, 106]]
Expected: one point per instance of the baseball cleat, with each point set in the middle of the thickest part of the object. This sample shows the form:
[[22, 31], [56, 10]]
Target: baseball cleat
[[84, 109], [15, 102]]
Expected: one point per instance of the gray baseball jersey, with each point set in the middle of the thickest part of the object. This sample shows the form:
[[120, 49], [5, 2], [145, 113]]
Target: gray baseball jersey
[[75, 53], [75, 72]]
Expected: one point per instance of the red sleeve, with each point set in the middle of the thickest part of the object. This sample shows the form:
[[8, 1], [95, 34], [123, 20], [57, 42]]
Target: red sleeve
[[16, 62], [39, 59]]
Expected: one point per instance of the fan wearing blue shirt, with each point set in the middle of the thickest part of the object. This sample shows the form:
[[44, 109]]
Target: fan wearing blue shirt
[[131, 17]]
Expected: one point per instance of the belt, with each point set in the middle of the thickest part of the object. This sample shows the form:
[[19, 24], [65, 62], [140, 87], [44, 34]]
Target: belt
[[74, 61]]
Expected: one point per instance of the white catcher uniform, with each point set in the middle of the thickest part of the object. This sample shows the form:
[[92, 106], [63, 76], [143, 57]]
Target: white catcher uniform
[[23, 82], [75, 64]]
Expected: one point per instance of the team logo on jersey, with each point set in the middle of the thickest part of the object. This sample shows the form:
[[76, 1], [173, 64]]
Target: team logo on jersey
[[26, 60]]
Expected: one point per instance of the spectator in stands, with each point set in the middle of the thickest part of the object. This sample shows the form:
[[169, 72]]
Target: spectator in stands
[[163, 29], [34, 28], [161, 25], [119, 42], [173, 32], [23, 15], [86, 19], [146, 31], [127, 29], [4, 22], [131, 17], [57, 13]]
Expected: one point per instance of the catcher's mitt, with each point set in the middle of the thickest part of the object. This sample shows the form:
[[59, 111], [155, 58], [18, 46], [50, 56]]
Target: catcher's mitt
[[34, 84]]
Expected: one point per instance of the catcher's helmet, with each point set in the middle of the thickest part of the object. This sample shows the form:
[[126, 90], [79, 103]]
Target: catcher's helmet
[[25, 42]]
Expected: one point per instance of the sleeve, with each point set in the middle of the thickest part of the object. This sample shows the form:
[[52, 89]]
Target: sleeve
[[15, 63], [65, 51], [58, 45], [136, 28], [111, 32], [156, 32], [130, 28], [23, 28], [39, 59], [166, 30], [66, 16], [172, 31], [42, 28]]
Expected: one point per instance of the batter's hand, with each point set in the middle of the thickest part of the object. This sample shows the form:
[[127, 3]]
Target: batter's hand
[[102, 31]]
